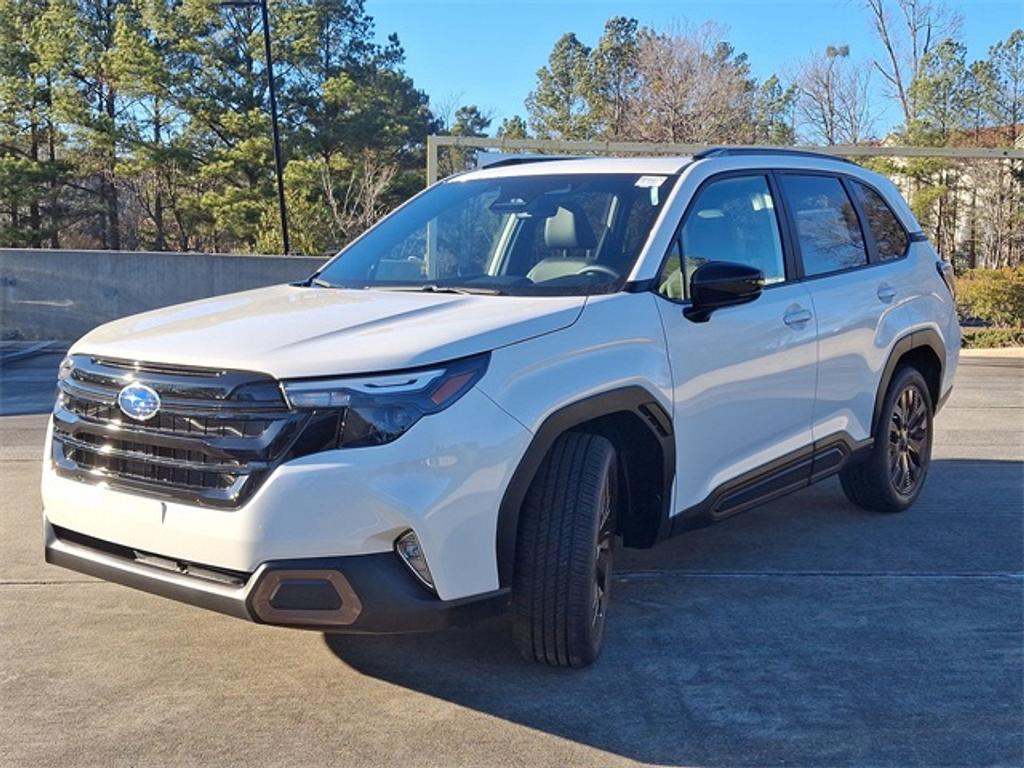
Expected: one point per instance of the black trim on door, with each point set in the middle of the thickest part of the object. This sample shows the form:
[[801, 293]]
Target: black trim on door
[[790, 254], [773, 480]]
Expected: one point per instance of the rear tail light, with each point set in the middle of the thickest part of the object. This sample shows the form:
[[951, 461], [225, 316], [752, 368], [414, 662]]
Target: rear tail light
[[947, 275]]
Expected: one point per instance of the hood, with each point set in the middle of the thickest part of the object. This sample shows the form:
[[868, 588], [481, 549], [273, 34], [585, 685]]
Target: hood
[[291, 331]]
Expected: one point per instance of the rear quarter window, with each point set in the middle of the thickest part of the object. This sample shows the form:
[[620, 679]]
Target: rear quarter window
[[827, 228], [891, 240]]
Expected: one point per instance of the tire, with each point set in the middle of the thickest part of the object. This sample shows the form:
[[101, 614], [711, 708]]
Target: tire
[[564, 553], [891, 476]]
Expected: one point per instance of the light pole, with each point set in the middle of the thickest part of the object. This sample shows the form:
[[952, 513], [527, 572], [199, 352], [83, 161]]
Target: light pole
[[278, 163]]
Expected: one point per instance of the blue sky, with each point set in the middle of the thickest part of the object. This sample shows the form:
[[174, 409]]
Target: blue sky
[[487, 52]]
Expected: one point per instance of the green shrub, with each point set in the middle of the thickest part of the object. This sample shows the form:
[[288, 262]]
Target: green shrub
[[990, 338], [995, 296]]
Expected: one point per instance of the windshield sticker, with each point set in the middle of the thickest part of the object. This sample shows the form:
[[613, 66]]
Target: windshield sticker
[[650, 181]]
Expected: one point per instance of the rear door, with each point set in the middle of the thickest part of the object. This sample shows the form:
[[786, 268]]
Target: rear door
[[744, 380], [855, 293]]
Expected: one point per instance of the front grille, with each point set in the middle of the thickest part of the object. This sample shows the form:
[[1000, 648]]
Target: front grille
[[216, 437]]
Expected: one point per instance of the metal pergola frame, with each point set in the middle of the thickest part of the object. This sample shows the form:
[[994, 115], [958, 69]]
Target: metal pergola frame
[[557, 146]]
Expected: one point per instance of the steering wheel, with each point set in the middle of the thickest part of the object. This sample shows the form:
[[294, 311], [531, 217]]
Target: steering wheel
[[599, 269]]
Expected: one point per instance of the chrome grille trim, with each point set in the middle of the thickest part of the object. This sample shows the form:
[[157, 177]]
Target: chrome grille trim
[[217, 436]]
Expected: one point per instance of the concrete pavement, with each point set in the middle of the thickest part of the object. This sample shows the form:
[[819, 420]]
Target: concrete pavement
[[803, 633]]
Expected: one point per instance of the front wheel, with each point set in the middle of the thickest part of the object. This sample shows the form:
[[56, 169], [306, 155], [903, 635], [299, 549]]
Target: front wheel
[[564, 553], [891, 477]]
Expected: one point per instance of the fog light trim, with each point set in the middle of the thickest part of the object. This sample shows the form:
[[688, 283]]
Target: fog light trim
[[409, 551], [349, 611]]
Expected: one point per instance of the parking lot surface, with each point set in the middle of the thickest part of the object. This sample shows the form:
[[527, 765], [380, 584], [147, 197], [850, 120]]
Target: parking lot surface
[[807, 632]]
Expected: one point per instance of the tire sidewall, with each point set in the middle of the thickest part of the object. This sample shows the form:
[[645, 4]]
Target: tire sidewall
[[591, 634], [554, 589], [905, 377]]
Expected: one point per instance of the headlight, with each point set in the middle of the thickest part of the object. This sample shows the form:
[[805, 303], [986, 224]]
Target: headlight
[[373, 410]]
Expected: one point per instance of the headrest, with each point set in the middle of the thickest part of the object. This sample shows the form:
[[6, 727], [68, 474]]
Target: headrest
[[569, 228]]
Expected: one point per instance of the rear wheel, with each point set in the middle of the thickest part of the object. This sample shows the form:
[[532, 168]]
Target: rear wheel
[[890, 478], [564, 553]]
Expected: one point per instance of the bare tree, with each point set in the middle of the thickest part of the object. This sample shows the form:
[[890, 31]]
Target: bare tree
[[362, 200], [692, 87], [908, 30], [833, 105]]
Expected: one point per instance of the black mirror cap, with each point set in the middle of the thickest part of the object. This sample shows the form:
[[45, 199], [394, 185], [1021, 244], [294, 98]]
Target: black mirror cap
[[719, 284]]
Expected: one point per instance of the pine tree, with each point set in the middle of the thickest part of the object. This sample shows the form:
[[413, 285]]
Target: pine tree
[[513, 128], [355, 120], [940, 93], [80, 52], [1006, 60], [559, 107], [31, 172], [773, 118], [613, 76]]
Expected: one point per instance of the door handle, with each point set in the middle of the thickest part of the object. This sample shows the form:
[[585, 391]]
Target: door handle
[[797, 316], [886, 293]]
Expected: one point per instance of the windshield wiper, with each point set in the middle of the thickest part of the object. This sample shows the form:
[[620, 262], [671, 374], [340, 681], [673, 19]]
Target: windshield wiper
[[435, 288], [321, 283]]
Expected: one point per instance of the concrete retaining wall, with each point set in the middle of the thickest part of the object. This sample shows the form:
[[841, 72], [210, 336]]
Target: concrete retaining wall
[[62, 294]]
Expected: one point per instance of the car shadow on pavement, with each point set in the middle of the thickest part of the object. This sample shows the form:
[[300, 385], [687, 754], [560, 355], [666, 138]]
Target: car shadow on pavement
[[833, 636]]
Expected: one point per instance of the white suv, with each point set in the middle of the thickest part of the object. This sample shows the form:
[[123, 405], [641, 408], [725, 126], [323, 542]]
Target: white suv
[[466, 408]]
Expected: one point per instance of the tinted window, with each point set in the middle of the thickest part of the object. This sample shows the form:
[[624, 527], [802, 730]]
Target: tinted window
[[891, 239], [731, 219], [827, 228]]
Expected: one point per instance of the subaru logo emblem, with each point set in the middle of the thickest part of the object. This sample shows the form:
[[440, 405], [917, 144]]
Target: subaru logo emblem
[[138, 401]]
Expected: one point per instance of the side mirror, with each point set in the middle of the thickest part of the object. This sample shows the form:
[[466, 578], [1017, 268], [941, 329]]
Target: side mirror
[[719, 284]]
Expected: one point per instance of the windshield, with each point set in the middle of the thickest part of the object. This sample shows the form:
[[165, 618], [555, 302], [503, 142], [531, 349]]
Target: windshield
[[525, 235]]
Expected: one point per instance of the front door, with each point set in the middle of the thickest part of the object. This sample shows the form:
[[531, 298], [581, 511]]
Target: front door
[[744, 381]]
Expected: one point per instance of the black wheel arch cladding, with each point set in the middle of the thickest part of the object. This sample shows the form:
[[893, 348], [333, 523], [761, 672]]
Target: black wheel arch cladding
[[627, 411], [920, 346]]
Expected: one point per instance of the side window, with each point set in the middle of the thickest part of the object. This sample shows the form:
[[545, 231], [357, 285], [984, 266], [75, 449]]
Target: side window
[[891, 239], [731, 219], [827, 228]]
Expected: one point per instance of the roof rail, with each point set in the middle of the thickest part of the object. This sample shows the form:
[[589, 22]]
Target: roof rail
[[738, 151], [523, 159]]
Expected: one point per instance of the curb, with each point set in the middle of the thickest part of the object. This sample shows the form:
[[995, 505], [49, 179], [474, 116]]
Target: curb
[[1003, 352]]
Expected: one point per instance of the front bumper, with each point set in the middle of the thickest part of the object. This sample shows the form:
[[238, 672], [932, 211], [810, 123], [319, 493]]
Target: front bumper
[[371, 593], [444, 479]]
